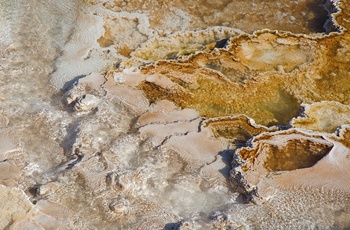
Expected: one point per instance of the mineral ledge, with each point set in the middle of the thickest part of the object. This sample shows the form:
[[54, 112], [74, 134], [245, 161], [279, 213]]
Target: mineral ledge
[[171, 125]]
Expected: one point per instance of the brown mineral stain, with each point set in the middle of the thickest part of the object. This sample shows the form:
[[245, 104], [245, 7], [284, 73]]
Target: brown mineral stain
[[284, 151], [265, 76], [213, 94], [106, 40], [125, 50], [239, 127], [294, 16]]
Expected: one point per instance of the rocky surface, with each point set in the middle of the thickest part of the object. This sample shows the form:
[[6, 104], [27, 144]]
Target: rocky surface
[[174, 115], [324, 116]]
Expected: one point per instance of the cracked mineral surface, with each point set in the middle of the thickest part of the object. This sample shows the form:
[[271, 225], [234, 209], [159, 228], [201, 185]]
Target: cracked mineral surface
[[174, 114]]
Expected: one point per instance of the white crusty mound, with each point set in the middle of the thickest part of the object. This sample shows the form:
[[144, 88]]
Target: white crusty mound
[[163, 115]]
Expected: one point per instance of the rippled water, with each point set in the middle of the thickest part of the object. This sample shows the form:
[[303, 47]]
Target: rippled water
[[34, 35]]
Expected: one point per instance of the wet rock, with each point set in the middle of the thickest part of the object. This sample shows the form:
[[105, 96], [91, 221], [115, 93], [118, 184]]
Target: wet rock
[[325, 116], [274, 153], [157, 146]]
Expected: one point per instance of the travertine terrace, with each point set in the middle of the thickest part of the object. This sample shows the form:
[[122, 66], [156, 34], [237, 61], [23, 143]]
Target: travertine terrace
[[175, 115]]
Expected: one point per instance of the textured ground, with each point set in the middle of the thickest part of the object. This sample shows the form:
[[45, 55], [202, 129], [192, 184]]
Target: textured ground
[[174, 115]]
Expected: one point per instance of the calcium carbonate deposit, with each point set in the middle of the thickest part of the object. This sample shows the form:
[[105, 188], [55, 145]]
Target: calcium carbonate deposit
[[174, 114]]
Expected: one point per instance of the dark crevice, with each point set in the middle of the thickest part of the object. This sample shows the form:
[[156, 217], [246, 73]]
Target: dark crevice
[[77, 159], [69, 140], [321, 15], [221, 43], [69, 84]]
